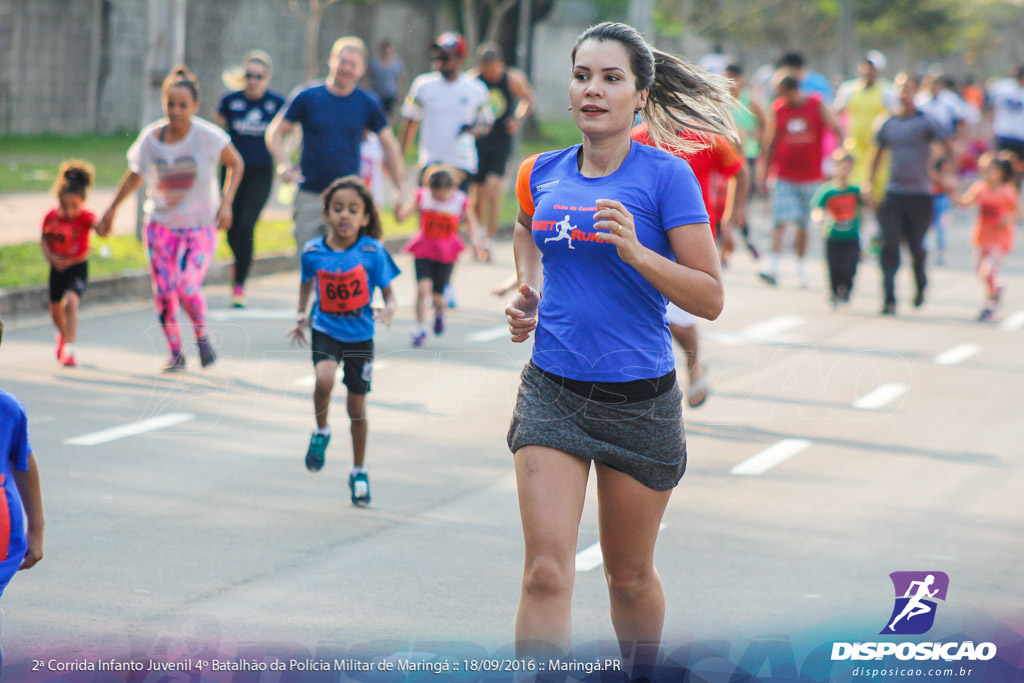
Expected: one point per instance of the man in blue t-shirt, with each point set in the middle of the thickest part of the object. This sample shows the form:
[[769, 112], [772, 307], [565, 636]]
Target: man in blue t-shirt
[[334, 116]]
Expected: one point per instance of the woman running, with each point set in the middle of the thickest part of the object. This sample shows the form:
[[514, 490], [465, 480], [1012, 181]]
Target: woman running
[[245, 115], [601, 385], [177, 157]]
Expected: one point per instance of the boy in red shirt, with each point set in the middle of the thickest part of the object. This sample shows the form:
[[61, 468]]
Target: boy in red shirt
[[65, 243]]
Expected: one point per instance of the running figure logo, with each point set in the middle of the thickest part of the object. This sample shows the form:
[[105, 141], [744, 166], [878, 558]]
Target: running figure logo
[[916, 593], [564, 232]]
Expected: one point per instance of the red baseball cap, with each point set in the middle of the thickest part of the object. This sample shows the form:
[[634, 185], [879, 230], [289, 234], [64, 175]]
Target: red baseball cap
[[451, 42]]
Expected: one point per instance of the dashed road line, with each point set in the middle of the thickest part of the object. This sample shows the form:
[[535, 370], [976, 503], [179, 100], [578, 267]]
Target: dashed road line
[[957, 354], [490, 334], [140, 427], [881, 396], [775, 454], [1013, 323]]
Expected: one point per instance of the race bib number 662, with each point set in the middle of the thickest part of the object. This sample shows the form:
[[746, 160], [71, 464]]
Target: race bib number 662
[[343, 292]]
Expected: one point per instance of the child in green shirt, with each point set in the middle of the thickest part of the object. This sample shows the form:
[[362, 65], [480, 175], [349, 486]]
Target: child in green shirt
[[838, 205]]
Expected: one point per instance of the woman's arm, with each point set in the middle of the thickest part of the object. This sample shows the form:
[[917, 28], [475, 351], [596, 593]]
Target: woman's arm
[[521, 311], [32, 499], [131, 182], [693, 282], [234, 167]]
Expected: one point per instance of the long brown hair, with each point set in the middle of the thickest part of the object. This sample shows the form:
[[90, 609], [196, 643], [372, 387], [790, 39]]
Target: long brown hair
[[353, 182], [680, 94]]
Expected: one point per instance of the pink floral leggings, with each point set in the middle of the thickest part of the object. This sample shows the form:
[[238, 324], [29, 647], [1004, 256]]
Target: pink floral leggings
[[178, 261]]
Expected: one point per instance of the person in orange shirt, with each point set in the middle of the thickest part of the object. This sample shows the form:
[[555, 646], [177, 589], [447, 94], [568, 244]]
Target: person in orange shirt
[[718, 162], [992, 234], [65, 244]]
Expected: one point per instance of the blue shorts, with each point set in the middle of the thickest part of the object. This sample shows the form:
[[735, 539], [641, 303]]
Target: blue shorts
[[791, 202]]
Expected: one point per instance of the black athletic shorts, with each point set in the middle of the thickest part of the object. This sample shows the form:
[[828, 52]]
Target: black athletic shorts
[[492, 156], [439, 273], [73, 279], [356, 358]]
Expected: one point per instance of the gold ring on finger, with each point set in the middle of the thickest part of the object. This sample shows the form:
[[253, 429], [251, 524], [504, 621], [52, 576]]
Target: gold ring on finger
[[617, 231]]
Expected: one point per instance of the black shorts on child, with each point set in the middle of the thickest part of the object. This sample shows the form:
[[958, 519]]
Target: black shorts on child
[[72, 279], [439, 273], [355, 357]]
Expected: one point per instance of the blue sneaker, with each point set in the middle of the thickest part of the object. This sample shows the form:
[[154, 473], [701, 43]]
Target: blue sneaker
[[449, 296], [359, 485], [438, 322], [419, 339], [316, 451]]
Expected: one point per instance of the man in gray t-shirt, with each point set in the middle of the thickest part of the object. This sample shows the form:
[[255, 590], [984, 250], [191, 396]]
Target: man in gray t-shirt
[[906, 210]]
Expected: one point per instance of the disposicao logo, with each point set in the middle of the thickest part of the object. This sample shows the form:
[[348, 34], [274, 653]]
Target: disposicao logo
[[916, 593], [913, 614]]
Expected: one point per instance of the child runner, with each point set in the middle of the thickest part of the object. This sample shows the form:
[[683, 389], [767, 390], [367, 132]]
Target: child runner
[[65, 243], [21, 535], [345, 267], [992, 234], [177, 157], [436, 245], [838, 205]]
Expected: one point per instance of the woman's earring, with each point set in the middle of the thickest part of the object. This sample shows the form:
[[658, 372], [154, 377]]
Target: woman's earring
[[570, 107]]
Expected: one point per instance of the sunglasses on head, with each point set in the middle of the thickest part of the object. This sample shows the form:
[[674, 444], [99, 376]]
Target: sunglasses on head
[[255, 77]]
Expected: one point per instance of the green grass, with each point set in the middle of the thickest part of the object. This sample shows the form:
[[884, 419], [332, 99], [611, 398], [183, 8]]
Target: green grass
[[29, 163]]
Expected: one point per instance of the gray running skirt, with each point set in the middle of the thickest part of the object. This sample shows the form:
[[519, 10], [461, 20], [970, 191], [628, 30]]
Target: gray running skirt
[[644, 439]]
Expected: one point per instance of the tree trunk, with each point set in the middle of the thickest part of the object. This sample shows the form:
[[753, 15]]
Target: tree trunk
[[497, 18]]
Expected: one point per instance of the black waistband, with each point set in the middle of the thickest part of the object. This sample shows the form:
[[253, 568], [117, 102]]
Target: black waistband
[[633, 391]]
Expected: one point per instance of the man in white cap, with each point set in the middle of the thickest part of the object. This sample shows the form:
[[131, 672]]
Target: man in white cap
[[865, 99]]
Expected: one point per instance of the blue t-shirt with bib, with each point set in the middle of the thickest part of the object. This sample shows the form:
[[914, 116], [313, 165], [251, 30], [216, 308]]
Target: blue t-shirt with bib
[[345, 282], [332, 132], [247, 123], [599, 319], [15, 449]]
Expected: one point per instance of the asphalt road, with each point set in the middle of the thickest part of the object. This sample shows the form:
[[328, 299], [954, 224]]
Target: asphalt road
[[795, 508]]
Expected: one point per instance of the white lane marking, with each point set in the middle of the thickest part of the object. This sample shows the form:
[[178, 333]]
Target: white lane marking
[[881, 396], [769, 331], [957, 354], [490, 334], [773, 327], [770, 457], [590, 557], [310, 380], [1013, 323], [140, 427], [222, 314]]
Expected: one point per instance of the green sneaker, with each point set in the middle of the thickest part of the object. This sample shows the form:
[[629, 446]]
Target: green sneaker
[[359, 485], [315, 452]]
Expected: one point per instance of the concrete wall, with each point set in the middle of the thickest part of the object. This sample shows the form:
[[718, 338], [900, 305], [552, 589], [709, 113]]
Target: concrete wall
[[79, 66]]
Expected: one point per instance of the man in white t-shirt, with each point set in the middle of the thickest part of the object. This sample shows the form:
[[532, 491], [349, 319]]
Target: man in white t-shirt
[[448, 108], [1007, 98]]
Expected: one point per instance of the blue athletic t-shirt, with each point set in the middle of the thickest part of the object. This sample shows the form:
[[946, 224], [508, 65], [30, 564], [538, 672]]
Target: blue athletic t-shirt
[[247, 123], [344, 285], [332, 132], [16, 449], [600, 320]]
